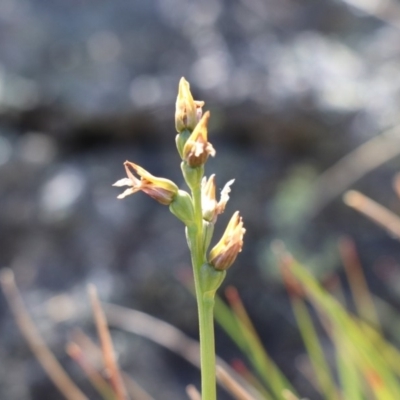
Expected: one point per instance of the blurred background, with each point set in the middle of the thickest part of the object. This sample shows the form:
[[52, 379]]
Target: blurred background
[[292, 86]]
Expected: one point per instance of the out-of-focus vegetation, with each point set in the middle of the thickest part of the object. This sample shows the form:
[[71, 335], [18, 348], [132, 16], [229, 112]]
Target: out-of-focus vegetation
[[305, 103]]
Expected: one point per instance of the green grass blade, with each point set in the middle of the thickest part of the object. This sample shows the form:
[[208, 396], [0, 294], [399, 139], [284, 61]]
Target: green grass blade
[[247, 340], [349, 376], [314, 350], [228, 322], [361, 294], [370, 361]]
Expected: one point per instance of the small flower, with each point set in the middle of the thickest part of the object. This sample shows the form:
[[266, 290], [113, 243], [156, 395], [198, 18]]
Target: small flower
[[197, 149], [160, 189], [223, 255], [212, 208], [187, 111]]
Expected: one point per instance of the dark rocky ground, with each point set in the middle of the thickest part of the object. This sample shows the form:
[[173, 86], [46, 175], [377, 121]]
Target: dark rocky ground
[[84, 85]]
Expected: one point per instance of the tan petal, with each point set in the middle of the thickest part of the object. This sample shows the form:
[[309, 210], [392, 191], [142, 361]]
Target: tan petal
[[126, 193], [123, 182], [224, 196]]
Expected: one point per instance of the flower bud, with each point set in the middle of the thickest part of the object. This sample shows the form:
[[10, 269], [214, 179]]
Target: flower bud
[[223, 255], [212, 208], [187, 110], [161, 189], [197, 149]]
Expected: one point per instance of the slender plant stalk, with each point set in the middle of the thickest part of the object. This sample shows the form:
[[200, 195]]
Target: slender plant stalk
[[205, 304], [207, 347]]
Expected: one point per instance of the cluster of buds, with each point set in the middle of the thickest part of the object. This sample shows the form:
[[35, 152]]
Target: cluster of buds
[[194, 149], [192, 126]]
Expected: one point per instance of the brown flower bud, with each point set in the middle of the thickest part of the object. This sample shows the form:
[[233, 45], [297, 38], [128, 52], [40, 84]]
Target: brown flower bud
[[224, 253], [187, 111], [160, 189], [197, 149]]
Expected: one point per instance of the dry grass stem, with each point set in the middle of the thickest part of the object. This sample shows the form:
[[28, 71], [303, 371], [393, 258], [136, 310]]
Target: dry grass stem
[[193, 393], [364, 159], [373, 210], [89, 347], [233, 387], [160, 332], [36, 343], [93, 353], [166, 335], [94, 376], [241, 368], [107, 347]]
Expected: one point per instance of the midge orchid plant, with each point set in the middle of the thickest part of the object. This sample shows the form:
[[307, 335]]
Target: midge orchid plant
[[198, 211]]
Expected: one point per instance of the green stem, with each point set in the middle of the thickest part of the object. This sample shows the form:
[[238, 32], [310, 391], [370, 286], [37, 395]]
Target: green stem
[[207, 347], [205, 304], [198, 216]]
